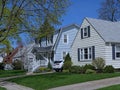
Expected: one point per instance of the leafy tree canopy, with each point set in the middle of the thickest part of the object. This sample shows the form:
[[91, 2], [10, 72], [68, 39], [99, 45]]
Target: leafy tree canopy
[[29, 16]]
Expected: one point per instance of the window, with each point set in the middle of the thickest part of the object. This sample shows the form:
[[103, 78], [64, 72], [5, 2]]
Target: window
[[86, 53], [117, 51], [85, 32], [65, 38], [64, 55]]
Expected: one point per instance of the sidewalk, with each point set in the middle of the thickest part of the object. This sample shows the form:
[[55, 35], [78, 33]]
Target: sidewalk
[[13, 86], [91, 85]]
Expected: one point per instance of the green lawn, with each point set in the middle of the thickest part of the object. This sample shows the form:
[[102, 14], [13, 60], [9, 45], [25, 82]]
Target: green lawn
[[114, 87], [1, 88], [43, 82], [7, 73]]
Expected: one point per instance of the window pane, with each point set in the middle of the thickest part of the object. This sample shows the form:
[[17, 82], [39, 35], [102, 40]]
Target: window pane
[[85, 32], [90, 53], [117, 48], [64, 54], [81, 52], [86, 53], [118, 54], [65, 38]]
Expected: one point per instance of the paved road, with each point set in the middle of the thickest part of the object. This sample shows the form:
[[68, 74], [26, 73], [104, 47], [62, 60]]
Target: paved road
[[91, 85]]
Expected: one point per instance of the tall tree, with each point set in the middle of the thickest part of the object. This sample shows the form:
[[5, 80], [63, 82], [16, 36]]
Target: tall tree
[[110, 10], [19, 16]]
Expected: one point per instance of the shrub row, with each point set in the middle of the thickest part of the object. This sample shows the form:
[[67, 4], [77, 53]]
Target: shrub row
[[91, 69]]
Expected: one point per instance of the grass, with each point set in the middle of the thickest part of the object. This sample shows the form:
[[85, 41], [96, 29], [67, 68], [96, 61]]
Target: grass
[[43, 82], [1, 88], [7, 73], [113, 87]]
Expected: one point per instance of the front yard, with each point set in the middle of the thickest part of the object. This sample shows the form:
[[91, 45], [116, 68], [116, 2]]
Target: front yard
[[43, 82], [1, 88], [8, 73]]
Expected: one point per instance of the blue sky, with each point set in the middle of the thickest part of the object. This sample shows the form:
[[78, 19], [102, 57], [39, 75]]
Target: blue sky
[[77, 11], [80, 9]]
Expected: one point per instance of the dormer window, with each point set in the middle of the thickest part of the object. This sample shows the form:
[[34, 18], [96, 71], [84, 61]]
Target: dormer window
[[85, 32]]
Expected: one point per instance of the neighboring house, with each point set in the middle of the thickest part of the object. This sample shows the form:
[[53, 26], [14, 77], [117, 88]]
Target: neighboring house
[[2, 55], [59, 45], [64, 40], [30, 60], [97, 38], [8, 59]]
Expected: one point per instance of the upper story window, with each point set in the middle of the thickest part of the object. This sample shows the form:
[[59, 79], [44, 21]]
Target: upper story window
[[65, 38], [85, 32]]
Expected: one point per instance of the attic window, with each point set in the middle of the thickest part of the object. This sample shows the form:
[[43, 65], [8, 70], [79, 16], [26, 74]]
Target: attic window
[[85, 32], [65, 38]]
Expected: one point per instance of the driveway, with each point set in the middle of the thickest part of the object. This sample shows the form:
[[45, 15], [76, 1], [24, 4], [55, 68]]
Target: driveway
[[91, 85]]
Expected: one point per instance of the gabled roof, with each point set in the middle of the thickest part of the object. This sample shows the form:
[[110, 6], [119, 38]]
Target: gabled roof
[[109, 31], [60, 33]]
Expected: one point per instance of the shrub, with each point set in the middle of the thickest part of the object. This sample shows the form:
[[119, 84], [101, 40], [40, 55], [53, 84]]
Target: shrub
[[1, 66], [17, 65], [75, 69], [66, 71], [89, 66], [49, 65], [109, 69], [99, 64], [43, 69], [90, 71], [67, 63]]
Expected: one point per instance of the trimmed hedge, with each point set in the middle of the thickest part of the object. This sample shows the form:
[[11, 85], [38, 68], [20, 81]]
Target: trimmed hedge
[[109, 69]]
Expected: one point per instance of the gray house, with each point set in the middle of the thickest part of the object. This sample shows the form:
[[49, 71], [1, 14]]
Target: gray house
[[97, 38]]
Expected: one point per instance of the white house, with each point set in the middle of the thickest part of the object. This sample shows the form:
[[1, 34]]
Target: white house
[[97, 38], [40, 53]]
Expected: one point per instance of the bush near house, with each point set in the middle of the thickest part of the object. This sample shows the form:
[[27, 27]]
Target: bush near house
[[109, 69], [67, 63], [81, 69], [75, 69], [1, 66], [49, 65], [99, 64], [90, 71], [89, 66], [17, 65]]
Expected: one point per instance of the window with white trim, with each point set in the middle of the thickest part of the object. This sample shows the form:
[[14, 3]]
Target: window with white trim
[[64, 54], [85, 32], [86, 53], [117, 52], [65, 38]]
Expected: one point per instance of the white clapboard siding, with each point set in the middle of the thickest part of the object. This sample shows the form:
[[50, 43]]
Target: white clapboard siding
[[93, 40], [108, 57], [65, 47]]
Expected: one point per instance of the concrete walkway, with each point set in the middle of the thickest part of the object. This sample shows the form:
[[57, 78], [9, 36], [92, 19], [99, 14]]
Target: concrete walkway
[[13, 86], [91, 85]]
